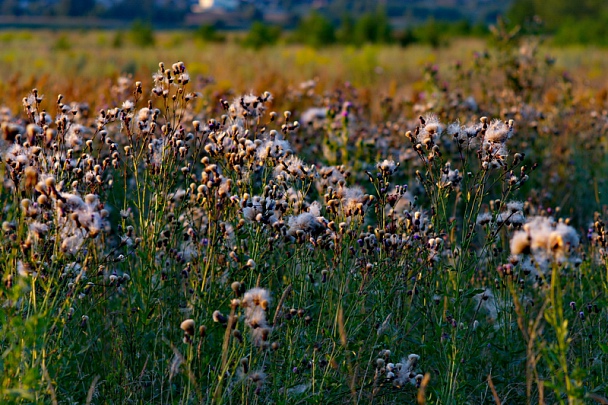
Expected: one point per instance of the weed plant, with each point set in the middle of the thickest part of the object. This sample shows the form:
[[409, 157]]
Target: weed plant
[[168, 249]]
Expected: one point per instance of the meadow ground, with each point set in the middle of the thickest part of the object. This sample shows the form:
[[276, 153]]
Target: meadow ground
[[290, 225]]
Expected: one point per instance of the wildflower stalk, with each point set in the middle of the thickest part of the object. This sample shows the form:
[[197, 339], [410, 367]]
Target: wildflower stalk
[[563, 383]]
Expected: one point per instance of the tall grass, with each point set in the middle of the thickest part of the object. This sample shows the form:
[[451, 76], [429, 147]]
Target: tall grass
[[168, 240]]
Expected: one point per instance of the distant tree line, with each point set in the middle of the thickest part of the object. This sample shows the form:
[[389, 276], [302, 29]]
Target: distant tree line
[[317, 30], [124, 10], [568, 21], [174, 11]]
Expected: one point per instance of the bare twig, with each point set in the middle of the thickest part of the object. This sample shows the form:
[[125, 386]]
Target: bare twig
[[494, 393], [280, 303]]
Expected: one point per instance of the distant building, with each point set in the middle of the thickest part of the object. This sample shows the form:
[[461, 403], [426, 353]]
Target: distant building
[[216, 12], [206, 5]]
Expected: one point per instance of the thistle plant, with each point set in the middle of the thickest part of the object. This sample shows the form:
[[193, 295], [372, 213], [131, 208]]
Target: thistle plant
[[161, 252]]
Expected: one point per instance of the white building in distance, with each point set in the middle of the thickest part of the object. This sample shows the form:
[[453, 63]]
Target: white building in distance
[[228, 5]]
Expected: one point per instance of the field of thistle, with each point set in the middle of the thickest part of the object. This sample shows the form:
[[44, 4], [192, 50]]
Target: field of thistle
[[297, 226]]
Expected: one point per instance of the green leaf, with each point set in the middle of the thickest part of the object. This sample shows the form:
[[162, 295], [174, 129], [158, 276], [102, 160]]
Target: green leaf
[[472, 293]]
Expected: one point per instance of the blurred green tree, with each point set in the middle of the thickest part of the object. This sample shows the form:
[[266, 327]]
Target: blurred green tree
[[582, 21], [142, 33], [346, 31], [208, 33], [555, 13], [373, 28], [315, 30], [261, 34]]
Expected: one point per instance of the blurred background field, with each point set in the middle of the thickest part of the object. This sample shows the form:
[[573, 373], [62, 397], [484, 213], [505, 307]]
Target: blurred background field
[[74, 61], [285, 42]]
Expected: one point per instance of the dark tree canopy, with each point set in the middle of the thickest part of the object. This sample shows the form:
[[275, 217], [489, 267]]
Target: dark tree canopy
[[556, 13], [75, 8]]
